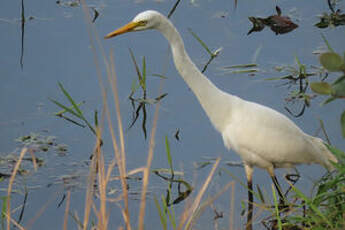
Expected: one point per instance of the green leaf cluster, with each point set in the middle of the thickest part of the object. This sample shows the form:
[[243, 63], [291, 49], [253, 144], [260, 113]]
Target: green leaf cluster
[[332, 62]]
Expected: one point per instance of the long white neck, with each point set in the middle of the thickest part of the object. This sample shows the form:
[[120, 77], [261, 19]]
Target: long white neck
[[216, 103]]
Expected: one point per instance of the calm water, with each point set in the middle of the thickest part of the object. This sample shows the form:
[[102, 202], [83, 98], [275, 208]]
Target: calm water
[[57, 49]]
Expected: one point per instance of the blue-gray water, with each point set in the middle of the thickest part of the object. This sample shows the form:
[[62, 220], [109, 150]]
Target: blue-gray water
[[57, 49]]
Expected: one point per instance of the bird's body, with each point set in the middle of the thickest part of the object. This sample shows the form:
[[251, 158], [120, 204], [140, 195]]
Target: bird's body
[[262, 136], [267, 139]]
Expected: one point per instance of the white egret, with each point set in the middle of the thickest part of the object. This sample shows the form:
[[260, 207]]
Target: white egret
[[261, 136]]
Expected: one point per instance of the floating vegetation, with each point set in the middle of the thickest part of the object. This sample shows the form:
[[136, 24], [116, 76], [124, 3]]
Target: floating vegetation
[[38, 146], [241, 69], [182, 194], [177, 134], [332, 62], [37, 142], [277, 23], [76, 3], [142, 101], [73, 3], [203, 44], [334, 19], [298, 76]]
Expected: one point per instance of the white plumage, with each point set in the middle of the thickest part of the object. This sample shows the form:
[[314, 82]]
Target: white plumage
[[262, 136]]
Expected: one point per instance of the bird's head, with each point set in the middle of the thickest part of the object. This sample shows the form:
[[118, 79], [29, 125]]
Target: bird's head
[[149, 19]]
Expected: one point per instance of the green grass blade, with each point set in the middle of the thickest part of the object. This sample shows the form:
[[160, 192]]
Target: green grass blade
[[327, 43], [244, 71], [200, 41], [276, 209], [161, 214], [96, 118], [72, 121], [136, 66], [3, 211], [134, 86], [75, 106], [61, 112], [170, 211], [167, 147], [342, 122], [261, 195], [67, 109], [144, 74], [241, 66], [160, 76], [312, 207]]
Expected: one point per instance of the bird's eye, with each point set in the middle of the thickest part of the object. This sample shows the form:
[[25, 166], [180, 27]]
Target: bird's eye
[[142, 23]]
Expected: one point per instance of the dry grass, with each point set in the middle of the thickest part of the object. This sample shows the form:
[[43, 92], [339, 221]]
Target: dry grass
[[65, 219], [9, 189], [103, 175], [100, 173]]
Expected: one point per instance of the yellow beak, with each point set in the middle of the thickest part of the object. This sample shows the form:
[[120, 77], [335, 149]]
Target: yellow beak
[[124, 29]]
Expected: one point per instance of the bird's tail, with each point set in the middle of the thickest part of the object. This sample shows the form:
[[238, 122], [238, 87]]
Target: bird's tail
[[326, 156]]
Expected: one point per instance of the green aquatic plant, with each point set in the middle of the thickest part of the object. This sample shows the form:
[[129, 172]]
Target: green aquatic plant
[[144, 100], [333, 63]]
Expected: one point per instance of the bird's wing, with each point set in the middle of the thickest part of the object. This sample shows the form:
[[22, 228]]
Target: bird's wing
[[258, 133]]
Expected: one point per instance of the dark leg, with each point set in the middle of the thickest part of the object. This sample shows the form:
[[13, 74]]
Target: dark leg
[[278, 188], [249, 173]]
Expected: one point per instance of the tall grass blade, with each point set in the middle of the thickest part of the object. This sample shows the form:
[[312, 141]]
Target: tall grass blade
[[327, 43], [276, 209], [161, 213], [136, 67], [314, 208], [65, 108], [70, 99], [65, 219], [203, 44], [9, 187], [60, 113], [147, 169], [3, 211], [167, 147], [171, 212], [196, 203], [144, 74]]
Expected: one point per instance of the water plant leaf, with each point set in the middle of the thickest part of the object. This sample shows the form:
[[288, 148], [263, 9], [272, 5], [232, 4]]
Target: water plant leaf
[[321, 88], [65, 108], [241, 66], [333, 19], [339, 89], [328, 100], [161, 213], [261, 195], [202, 43], [333, 62], [318, 214], [276, 209], [160, 76], [342, 122], [136, 68], [177, 133], [75, 106], [143, 80], [173, 8], [167, 147], [96, 14], [327, 43]]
